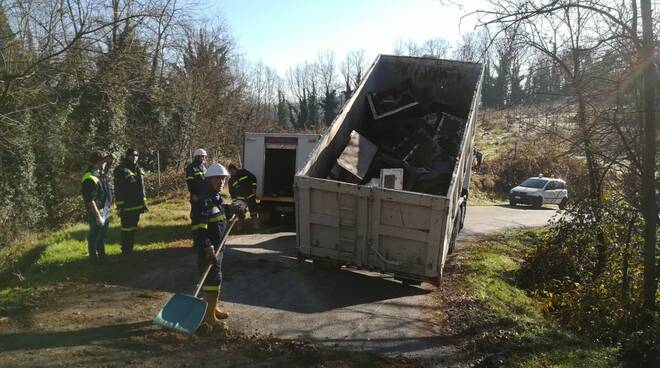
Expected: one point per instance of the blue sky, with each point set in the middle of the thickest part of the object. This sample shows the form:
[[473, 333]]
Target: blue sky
[[283, 33]]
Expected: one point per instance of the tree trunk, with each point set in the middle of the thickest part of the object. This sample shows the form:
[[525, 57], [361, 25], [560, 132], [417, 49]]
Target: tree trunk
[[649, 210]]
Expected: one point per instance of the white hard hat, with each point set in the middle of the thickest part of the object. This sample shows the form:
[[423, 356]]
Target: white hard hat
[[199, 152], [216, 170]]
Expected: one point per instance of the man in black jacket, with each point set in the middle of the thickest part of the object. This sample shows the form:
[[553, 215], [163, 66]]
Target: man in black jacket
[[243, 187], [130, 197], [97, 202]]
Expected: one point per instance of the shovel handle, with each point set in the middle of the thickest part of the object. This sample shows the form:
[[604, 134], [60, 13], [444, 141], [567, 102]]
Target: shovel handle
[[222, 245]]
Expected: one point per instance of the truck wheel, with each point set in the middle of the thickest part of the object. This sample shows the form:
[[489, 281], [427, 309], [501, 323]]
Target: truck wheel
[[562, 204], [512, 203], [454, 235], [538, 202]]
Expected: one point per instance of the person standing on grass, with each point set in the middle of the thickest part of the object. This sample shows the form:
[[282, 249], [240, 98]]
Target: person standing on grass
[[195, 176], [97, 201], [131, 198]]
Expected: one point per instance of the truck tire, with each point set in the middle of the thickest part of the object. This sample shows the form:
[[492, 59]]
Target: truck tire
[[537, 202], [454, 235], [562, 204], [512, 203]]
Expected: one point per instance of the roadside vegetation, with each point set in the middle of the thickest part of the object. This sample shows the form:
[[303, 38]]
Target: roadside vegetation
[[504, 324]]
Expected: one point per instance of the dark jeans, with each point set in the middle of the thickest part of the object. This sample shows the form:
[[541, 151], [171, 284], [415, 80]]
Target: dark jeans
[[96, 239], [129, 224]]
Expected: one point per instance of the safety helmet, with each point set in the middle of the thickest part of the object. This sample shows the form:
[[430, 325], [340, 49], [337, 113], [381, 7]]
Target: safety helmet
[[216, 170], [199, 152]]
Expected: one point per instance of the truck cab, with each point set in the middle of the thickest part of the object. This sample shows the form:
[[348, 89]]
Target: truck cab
[[274, 158]]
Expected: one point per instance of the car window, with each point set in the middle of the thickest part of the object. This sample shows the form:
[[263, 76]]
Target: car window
[[561, 185], [551, 185], [534, 183]]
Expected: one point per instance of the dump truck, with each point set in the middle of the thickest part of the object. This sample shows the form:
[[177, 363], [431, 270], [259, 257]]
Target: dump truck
[[274, 159], [413, 116]]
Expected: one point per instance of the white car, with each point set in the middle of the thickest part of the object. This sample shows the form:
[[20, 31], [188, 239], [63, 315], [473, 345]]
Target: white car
[[538, 191]]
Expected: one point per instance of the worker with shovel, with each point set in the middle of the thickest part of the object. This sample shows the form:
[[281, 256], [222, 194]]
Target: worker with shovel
[[209, 218]]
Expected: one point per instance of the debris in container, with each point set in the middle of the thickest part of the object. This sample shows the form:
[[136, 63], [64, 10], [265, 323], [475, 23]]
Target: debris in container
[[373, 183], [390, 102], [416, 140], [391, 178], [354, 162]]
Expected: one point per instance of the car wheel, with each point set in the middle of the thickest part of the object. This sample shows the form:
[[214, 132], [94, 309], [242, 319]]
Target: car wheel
[[538, 202], [562, 204], [512, 203]]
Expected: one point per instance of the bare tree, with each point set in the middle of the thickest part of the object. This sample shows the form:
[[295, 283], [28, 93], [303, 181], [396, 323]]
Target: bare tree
[[352, 70], [327, 70], [576, 36]]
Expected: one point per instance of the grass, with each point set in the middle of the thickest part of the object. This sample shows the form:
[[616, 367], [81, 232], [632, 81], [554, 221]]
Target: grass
[[34, 268], [519, 333]]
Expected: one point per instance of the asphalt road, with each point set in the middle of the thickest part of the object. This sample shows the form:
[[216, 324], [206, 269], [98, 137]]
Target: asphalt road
[[267, 291]]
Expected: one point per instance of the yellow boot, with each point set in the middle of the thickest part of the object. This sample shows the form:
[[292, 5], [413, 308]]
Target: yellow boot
[[220, 313], [211, 323]]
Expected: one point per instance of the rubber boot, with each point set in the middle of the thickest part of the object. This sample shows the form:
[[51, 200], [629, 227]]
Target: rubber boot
[[211, 323], [220, 313]]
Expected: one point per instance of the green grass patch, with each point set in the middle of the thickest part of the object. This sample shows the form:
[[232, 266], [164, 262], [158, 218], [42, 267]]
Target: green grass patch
[[518, 333], [33, 268]]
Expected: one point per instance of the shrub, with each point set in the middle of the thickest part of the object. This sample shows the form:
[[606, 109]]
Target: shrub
[[588, 273]]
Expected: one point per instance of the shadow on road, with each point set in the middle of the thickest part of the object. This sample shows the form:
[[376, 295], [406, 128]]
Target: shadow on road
[[268, 274], [86, 336], [265, 274]]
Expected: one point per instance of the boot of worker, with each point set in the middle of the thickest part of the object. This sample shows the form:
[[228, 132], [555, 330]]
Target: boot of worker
[[211, 323], [219, 312]]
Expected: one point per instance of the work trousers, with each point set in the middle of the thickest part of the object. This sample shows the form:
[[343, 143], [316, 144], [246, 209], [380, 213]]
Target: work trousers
[[253, 206], [213, 280], [129, 224], [96, 239]]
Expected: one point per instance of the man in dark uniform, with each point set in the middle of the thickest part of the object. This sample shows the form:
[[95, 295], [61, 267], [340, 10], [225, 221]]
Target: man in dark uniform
[[97, 202], [243, 187], [209, 223], [131, 199], [195, 176]]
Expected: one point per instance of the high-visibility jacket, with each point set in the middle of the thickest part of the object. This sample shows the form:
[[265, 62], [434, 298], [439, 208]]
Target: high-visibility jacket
[[195, 178], [129, 187], [93, 189], [243, 185], [209, 219]]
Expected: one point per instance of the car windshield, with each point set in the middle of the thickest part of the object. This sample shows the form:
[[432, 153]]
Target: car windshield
[[534, 183]]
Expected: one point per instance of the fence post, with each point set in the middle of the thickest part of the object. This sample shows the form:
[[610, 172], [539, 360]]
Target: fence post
[[158, 166]]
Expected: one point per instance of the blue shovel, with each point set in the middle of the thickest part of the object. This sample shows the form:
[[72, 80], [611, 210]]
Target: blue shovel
[[183, 312]]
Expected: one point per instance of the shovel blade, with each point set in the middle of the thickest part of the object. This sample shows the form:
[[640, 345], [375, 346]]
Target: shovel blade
[[182, 313]]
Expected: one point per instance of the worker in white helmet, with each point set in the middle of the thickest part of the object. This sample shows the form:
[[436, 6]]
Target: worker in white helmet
[[195, 175], [209, 217]]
